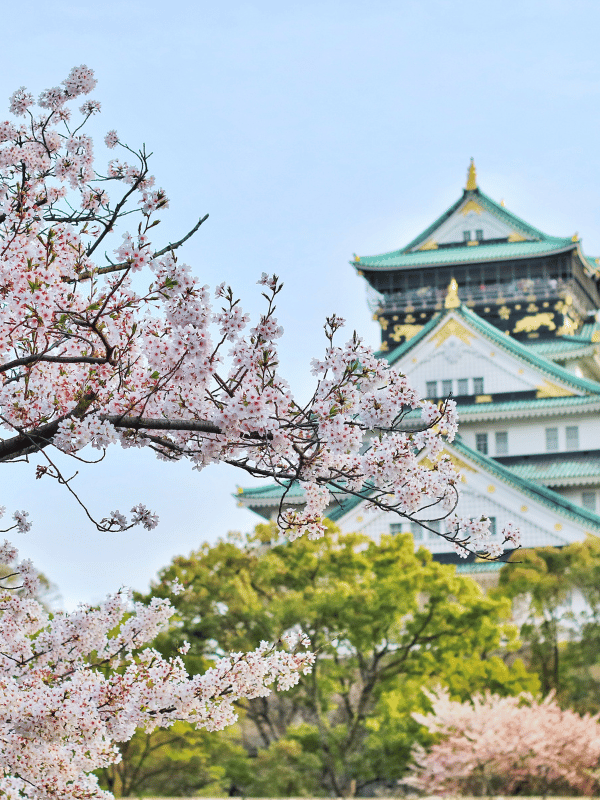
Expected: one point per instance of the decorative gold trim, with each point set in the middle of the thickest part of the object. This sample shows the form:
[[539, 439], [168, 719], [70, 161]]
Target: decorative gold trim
[[547, 389], [384, 347], [452, 327], [406, 331], [483, 398], [558, 527], [529, 324], [471, 205], [452, 299], [575, 237], [458, 463], [357, 258], [524, 509], [473, 243], [471, 177], [596, 336], [516, 237], [491, 488], [429, 245]]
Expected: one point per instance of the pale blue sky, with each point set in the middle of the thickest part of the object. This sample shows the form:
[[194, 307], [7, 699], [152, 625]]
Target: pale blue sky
[[308, 131]]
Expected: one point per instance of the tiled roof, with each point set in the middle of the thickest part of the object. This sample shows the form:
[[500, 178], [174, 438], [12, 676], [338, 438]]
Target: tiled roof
[[490, 205], [544, 405], [563, 345], [489, 566], [527, 487], [560, 472], [502, 251], [523, 484]]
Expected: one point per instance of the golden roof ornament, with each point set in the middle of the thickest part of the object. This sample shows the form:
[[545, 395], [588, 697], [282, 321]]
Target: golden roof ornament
[[452, 299], [471, 177]]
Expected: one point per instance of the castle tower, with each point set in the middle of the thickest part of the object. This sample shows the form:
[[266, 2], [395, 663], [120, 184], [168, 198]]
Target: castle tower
[[527, 284]]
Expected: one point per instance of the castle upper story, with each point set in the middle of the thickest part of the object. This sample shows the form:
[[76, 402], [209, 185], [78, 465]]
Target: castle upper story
[[529, 285]]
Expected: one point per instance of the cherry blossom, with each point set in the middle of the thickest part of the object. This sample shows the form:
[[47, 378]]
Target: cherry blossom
[[90, 358], [73, 685], [496, 745]]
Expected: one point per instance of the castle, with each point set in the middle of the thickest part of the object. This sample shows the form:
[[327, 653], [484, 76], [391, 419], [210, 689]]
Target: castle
[[483, 307]]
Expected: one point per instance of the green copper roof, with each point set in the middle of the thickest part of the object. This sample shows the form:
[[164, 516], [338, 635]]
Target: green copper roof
[[490, 205], [488, 566], [539, 493], [568, 471], [521, 351], [539, 243], [566, 344], [533, 490], [558, 404], [443, 256]]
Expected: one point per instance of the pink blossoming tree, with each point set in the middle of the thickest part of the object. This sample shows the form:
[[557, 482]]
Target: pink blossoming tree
[[86, 357], [506, 745]]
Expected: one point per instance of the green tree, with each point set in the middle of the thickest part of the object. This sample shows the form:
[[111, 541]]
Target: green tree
[[384, 620], [556, 596], [176, 761]]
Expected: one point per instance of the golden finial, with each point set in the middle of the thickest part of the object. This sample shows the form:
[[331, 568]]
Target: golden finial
[[575, 237], [502, 203], [452, 300], [356, 258], [471, 177]]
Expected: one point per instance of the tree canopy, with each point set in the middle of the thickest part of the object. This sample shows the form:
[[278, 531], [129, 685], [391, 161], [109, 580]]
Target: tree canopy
[[384, 621]]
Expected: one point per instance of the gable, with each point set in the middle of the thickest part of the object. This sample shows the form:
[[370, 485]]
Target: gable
[[457, 345], [543, 517], [472, 222]]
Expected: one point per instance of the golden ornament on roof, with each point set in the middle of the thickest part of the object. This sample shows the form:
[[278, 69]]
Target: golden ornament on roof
[[452, 299], [471, 177]]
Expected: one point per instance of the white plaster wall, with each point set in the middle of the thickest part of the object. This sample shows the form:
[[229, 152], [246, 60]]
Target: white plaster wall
[[452, 230], [529, 436]]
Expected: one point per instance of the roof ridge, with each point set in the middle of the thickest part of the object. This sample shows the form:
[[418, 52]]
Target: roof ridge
[[549, 497], [508, 216], [545, 364]]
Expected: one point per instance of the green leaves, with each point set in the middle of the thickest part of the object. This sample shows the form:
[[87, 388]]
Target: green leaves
[[384, 620]]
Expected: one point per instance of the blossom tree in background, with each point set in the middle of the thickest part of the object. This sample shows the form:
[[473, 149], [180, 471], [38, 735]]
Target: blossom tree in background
[[507, 745], [87, 357]]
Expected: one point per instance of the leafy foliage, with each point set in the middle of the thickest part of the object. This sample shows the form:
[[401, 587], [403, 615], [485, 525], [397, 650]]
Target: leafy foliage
[[384, 621]]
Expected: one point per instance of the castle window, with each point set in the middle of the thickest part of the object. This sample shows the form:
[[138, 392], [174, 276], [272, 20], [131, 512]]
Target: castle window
[[481, 442], [431, 389], [417, 531], [446, 388], [477, 385], [435, 525], [395, 528], [466, 236], [479, 234], [501, 443], [588, 500], [572, 437], [551, 440], [463, 386]]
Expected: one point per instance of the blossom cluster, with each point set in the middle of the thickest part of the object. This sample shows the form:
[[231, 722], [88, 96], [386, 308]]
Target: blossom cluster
[[73, 685], [507, 745], [88, 359]]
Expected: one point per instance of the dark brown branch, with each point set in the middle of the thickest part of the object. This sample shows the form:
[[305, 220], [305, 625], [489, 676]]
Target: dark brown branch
[[20, 362], [84, 276]]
